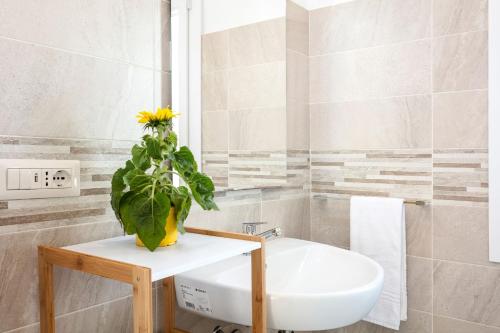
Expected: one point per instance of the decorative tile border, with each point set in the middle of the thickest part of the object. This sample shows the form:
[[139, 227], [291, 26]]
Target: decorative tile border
[[461, 177], [387, 173], [297, 168], [257, 168], [215, 165]]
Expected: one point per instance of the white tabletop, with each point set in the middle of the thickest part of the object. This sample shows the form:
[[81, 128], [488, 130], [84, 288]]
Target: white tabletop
[[191, 251]]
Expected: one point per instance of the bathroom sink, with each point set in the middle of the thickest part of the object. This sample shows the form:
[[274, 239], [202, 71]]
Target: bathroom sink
[[310, 286]]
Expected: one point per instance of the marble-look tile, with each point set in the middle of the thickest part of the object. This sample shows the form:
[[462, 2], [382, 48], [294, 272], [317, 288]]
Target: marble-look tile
[[215, 51], [257, 86], [162, 36], [257, 43], [450, 325], [297, 76], [259, 129], [418, 230], [457, 16], [297, 28], [461, 119], [74, 290], [330, 221], [461, 62], [386, 71], [366, 23], [297, 125], [215, 90], [289, 215], [461, 234], [419, 283], [121, 30], [80, 96], [467, 292], [418, 322], [215, 131], [163, 89], [395, 123]]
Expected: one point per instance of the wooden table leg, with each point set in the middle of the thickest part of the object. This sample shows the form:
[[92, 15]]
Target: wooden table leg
[[46, 290], [169, 300], [143, 300], [259, 310]]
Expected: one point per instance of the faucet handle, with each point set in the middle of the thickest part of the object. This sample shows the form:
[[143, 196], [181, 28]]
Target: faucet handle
[[250, 228]]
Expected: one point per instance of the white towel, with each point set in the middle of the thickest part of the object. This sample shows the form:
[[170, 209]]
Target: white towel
[[378, 231]]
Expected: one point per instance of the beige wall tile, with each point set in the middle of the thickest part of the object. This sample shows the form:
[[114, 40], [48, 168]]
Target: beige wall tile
[[461, 120], [228, 218], [120, 30], [162, 35], [386, 71], [418, 322], [258, 43], [418, 230], [297, 77], [257, 86], [163, 89], [19, 284], [297, 121], [330, 221], [215, 131], [467, 292], [289, 215], [456, 16], [215, 51], [297, 28], [449, 325], [366, 23], [461, 62], [376, 124], [80, 96], [259, 129], [215, 90], [461, 234], [419, 283]]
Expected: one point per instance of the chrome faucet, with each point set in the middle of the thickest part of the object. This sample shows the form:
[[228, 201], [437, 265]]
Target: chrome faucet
[[250, 228]]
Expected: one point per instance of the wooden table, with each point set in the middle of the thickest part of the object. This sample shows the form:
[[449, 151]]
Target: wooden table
[[119, 259]]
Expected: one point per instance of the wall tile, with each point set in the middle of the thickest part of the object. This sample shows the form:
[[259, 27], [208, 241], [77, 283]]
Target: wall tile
[[258, 129], [257, 168], [120, 30], [330, 221], [467, 292], [80, 96], [297, 28], [419, 283], [297, 77], [456, 16], [386, 71], [418, 322], [297, 122], [215, 164], [366, 23], [215, 51], [449, 325], [162, 35], [403, 122], [461, 120], [257, 86], [289, 215], [257, 43], [215, 131], [419, 230], [461, 234], [461, 62], [215, 90]]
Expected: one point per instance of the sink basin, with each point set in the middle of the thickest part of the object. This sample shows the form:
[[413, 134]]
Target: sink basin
[[310, 286]]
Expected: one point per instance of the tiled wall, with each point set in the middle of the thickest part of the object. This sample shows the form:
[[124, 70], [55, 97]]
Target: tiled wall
[[398, 104]]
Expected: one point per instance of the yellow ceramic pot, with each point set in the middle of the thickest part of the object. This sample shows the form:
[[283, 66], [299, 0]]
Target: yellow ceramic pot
[[170, 229]]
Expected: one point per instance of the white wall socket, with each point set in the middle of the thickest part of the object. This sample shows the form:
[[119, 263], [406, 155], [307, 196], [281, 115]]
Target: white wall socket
[[29, 179]]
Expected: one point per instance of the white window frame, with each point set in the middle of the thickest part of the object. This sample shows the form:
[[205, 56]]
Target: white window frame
[[188, 69], [494, 129]]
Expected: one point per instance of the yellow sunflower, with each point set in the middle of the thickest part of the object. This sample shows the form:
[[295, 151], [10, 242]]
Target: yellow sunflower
[[162, 114]]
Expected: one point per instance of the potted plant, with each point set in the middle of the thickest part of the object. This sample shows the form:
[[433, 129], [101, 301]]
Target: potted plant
[[143, 197]]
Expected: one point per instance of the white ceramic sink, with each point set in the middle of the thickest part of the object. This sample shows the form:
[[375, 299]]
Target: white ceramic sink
[[310, 286]]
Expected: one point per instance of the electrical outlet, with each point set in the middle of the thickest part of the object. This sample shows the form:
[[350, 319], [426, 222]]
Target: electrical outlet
[[26, 179]]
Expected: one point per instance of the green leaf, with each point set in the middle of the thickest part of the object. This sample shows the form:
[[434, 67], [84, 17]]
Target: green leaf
[[137, 180], [181, 200], [203, 189], [171, 139], [184, 162], [153, 148], [140, 157], [125, 212], [118, 186], [148, 214]]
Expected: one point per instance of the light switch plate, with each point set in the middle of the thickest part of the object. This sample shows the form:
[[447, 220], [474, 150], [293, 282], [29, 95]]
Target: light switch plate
[[30, 171]]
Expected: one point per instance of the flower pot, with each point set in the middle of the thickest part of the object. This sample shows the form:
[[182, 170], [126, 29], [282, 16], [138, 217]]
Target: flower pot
[[170, 229]]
